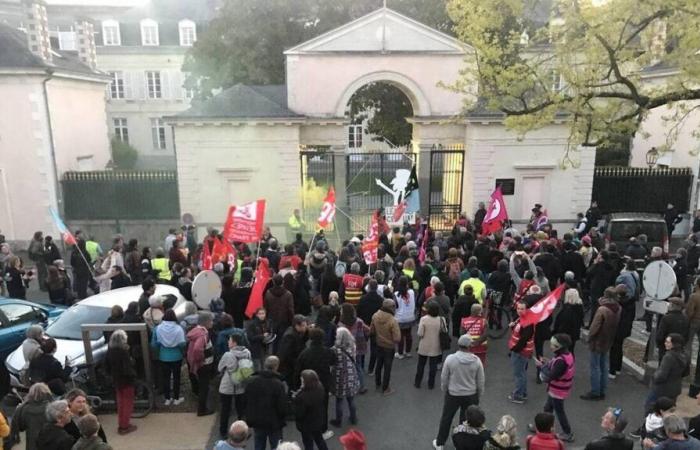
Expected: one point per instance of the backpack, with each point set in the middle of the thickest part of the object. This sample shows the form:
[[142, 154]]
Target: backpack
[[340, 269], [244, 371], [454, 271]]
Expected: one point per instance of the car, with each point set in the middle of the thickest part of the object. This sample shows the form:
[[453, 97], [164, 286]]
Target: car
[[17, 315], [620, 227], [67, 332]]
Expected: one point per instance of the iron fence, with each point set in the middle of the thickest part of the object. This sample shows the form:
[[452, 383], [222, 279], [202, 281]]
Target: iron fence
[[446, 178]]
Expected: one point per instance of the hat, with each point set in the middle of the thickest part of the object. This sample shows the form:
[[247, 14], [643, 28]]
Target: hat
[[353, 440], [464, 341], [586, 239]]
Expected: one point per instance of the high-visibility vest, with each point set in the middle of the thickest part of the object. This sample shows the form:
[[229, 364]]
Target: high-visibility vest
[[561, 387], [529, 348], [295, 223], [162, 265], [92, 248]]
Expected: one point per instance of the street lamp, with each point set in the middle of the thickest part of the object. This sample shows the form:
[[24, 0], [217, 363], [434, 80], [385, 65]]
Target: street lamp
[[652, 157]]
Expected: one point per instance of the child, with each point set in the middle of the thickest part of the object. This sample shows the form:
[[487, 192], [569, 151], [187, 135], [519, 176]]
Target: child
[[544, 439], [472, 434], [654, 422]]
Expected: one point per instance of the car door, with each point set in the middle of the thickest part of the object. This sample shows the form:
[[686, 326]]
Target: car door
[[16, 318]]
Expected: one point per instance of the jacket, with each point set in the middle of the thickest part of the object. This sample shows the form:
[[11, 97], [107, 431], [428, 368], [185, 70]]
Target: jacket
[[120, 365], [45, 368], [266, 401], [385, 329], [200, 351], [601, 334], [279, 304], [72, 429], [692, 309], [462, 309], [672, 322], [29, 417], [462, 374], [569, 321], [613, 441], [319, 359], [93, 443], [310, 410], [465, 437], [369, 304], [668, 378], [255, 332], [227, 365], [290, 347], [53, 437], [429, 335], [347, 383], [543, 441], [169, 339], [687, 444]]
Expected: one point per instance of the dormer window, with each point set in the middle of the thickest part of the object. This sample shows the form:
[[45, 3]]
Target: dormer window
[[188, 33], [110, 33], [149, 32]]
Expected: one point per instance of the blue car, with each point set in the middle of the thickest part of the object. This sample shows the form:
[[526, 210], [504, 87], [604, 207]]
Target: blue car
[[18, 315]]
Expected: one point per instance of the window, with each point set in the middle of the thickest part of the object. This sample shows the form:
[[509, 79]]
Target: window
[[110, 33], [355, 136], [149, 32], [188, 33], [116, 87], [121, 129], [557, 81], [153, 84], [158, 134], [66, 40], [17, 313]]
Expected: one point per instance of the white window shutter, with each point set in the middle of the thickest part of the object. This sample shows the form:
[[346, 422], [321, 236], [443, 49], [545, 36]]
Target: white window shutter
[[165, 84], [176, 85], [128, 85]]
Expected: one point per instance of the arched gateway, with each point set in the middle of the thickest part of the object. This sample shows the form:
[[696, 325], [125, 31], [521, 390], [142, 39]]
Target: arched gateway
[[249, 140]]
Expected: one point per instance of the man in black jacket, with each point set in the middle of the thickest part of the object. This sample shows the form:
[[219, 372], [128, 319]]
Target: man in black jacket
[[266, 400], [369, 304], [674, 321], [320, 359], [52, 436], [613, 424], [291, 345]]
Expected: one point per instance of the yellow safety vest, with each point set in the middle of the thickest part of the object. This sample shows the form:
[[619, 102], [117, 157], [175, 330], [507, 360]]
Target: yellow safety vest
[[478, 287], [91, 247], [295, 223], [162, 264]]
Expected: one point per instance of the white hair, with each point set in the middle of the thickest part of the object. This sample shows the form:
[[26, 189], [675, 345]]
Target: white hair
[[434, 281], [288, 446]]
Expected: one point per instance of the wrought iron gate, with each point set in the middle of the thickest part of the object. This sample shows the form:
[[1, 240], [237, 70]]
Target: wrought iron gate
[[446, 178]]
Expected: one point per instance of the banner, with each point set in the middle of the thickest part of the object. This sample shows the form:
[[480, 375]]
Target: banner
[[68, 237], [245, 223], [262, 277], [371, 242], [496, 214], [543, 308], [328, 209], [396, 217], [412, 198]]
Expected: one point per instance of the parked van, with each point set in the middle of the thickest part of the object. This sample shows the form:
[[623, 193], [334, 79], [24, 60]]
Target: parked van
[[620, 227]]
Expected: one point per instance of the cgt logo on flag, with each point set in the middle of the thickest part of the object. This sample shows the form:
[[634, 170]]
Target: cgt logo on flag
[[245, 223], [328, 209]]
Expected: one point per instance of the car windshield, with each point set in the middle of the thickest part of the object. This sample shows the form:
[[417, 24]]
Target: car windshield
[[622, 231], [67, 326]]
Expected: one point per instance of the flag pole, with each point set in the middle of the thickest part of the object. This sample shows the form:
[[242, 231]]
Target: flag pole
[[89, 266]]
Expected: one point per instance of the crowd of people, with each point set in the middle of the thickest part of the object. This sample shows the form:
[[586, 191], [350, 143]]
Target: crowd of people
[[330, 322]]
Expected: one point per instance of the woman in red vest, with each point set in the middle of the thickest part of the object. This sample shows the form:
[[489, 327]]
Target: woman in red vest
[[475, 327], [558, 373]]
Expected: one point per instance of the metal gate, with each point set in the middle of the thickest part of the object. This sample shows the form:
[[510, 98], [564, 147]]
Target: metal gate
[[364, 195], [317, 175], [446, 178]]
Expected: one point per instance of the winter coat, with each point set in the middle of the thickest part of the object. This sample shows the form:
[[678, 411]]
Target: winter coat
[[462, 309], [601, 334], [572, 260], [360, 331], [569, 321], [310, 410], [429, 335], [385, 329], [266, 405], [672, 322], [45, 368], [369, 304], [290, 347], [255, 331], [613, 441], [200, 351], [319, 359], [668, 378], [692, 309], [29, 417], [169, 339], [53, 437], [227, 365], [600, 276], [347, 383], [462, 374], [543, 441], [465, 437], [93, 443], [72, 429], [120, 366], [279, 304]]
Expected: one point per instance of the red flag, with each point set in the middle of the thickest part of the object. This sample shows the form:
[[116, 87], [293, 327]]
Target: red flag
[[328, 209], [262, 276], [371, 242], [221, 251], [245, 223], [496, 214], [543, 308], [206, 257], [399, 210]]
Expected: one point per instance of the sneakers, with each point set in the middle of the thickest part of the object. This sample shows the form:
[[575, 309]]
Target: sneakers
[[398, 356], [127, 430], [363, 391], [327, 435], [566, 437], [178, 401], [388, 392], [531, 428], [436, 446], [168, 401], [636, 434], [408, 354], [515, 399], [612, 376]]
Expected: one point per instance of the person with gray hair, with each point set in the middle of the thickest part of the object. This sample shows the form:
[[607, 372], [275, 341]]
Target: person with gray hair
[[89, 439], [200, 360], [351, 286], [30, 415], [266, 399], [613, 424], [237, 437], [120, 365], [53, 436], [676, 430], [347, 382], [31, 345]]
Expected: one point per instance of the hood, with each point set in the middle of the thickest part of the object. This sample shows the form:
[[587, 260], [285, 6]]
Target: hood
[[681, 356], [240, 352], [277, 291], [382, 317], [612, 305], [196, 333], [170, 334], [466, 358]]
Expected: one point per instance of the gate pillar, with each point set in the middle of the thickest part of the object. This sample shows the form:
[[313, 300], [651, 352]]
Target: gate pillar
[[424, 154]]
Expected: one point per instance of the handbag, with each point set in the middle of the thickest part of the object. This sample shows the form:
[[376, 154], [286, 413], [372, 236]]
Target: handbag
[[445, 338]]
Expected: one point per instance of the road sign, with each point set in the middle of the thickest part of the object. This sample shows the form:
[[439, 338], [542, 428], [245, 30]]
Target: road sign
[[205, 288]]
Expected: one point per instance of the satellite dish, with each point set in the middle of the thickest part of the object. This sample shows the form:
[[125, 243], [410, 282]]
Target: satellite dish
[[187, 219], [205, 288], [659, 280]]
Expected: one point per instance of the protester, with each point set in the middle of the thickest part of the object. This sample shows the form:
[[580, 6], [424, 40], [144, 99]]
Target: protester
[[673, 322], [168, 341], [462, 380], [471, 434], [569, 320], [88, 425], [653, 422], [475, 326], [613, 424], [544, 437], [259, 331], [236, 437], [291, 345], [78, 406], [279, 305], [200, 360], [310, 410], [266, 398], [45, 368], [601, 336], [668, 378], [405, 316], [347, 383], [504, 436], [120, 365], [235, 367], [387, 334], [360, 332], [521, 346], [53, 436], [30, 415], [677, 438], [429, 349]]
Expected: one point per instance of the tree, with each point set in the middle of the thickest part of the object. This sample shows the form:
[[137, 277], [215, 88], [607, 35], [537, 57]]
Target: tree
[[596, 48], [124, 155], [385, 108]]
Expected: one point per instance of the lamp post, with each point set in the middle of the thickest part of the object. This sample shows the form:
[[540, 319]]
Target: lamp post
[[652, 157]]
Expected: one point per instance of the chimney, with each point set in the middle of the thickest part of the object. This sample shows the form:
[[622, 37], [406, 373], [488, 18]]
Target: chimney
[[37, 25], [85, 43]]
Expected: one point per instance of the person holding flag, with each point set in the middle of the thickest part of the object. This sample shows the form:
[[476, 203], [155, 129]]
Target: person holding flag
[[496, 214], [521, 346], [328, 209]]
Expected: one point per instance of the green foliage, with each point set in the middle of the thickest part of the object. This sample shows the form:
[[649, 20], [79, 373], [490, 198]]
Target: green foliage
[[385, 108], [599, 47], [124, 155], [614, 151]]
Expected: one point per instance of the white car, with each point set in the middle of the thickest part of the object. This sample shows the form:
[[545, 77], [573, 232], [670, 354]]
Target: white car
[[96, 309]]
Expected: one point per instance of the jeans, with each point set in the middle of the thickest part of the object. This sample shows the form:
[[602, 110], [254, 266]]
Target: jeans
[[557, 405], [171, 368], [261, 438], [406, 341], [385, 358], [360, 364], [432, 369], [339, 408], [599, 373], [449, 408], [314, 437], [519, 363], [652, 397], [125, 405]]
